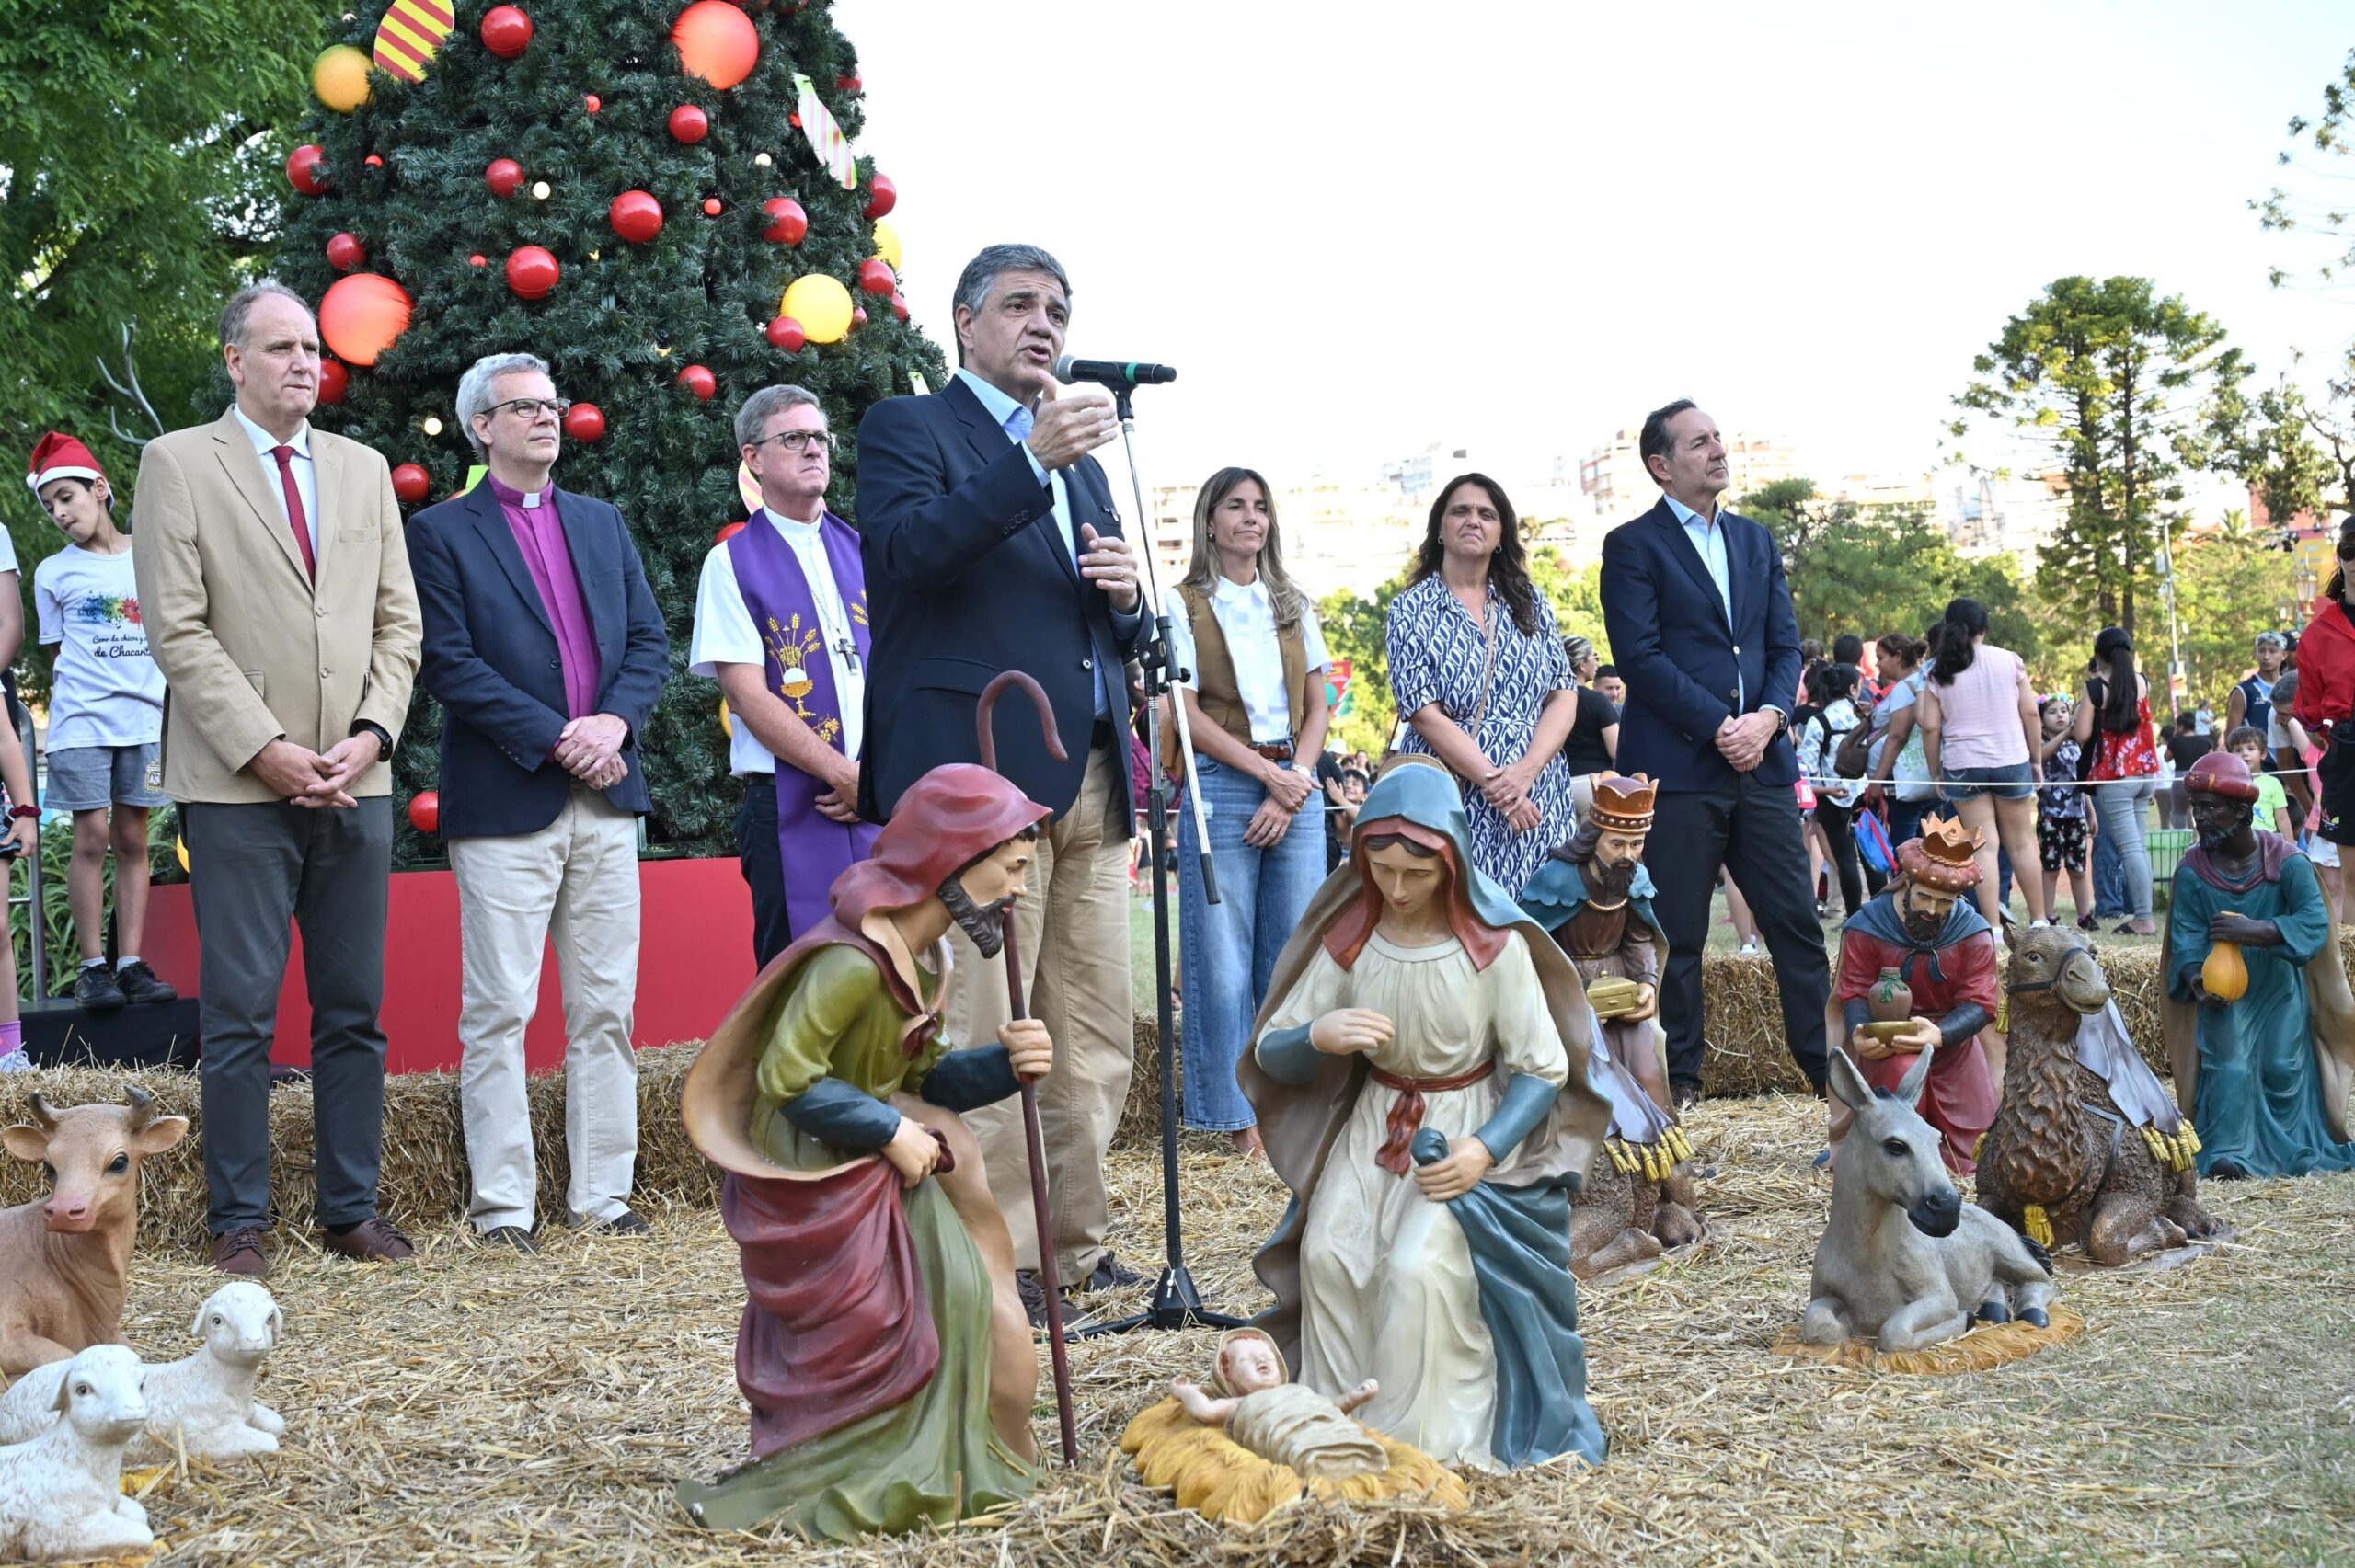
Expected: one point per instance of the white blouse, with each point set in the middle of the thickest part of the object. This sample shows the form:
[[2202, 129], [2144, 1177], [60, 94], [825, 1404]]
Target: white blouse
[[1247, 617]]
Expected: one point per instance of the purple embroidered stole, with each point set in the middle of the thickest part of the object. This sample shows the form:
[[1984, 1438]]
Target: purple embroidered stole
[[813, 849]]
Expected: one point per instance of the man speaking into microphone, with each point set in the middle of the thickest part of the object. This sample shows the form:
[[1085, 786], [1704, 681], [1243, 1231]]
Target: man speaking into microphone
[[991, 543]]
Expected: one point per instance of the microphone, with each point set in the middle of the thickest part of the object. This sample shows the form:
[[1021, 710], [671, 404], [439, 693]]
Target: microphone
[[1114, 373]]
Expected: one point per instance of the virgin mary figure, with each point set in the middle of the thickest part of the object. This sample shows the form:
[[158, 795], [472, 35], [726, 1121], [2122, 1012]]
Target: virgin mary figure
[[1421, 1076]]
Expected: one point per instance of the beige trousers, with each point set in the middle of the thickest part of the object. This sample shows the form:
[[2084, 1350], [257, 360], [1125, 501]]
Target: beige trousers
[[1072, 927], [575, 879]]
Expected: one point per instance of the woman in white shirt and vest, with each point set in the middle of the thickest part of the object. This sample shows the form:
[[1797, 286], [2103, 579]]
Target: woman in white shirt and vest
[[1255, 701]]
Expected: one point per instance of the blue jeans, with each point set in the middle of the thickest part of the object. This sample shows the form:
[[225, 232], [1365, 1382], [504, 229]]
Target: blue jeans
[[2125, 808], [2110, 879], [1227, 950]]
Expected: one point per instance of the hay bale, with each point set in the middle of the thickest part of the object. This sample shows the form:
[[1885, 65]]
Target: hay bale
[[424, 1176]]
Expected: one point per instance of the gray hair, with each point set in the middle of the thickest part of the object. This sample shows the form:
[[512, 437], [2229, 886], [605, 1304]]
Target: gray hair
[[766, 405], [475, 388], [241, 306], [1578, 650], [982, 273]]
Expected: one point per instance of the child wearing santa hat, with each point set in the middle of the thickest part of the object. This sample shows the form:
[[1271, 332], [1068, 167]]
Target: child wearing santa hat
[[106, 720]]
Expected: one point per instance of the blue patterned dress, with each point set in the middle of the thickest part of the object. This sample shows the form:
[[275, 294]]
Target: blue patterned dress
[[1438, 654]]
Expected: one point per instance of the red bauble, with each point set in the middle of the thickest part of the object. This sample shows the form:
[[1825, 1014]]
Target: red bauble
[[636, 216], [372, 161], [711, 207], [847, 83], [345, 252], [306, 170], [478, 259], [794, 121], [875, 276], [411, 482], [858, 318], [334, 380], [885, 197], [700, 382], [729, 531], [592, 102], [584, 422], [506, 32], [425, 810], [787, 221], [787, 334], [504, 176], [689, 123], [900, 307], [532, 272]]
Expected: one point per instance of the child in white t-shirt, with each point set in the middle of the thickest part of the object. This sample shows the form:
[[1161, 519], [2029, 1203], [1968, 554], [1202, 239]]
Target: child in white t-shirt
[[105, 720]]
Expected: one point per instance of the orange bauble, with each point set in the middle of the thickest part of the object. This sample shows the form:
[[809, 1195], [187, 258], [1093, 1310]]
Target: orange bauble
[[716, 42], [362, 315]]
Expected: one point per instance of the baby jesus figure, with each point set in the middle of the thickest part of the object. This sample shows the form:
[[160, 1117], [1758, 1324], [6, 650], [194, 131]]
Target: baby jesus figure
[[1263, 1410]]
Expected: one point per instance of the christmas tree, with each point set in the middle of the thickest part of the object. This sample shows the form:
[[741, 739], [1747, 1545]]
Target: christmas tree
[[627, 188]]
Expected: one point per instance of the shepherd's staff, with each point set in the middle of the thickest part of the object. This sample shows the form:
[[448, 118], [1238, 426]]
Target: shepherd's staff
[[1032, 1133]]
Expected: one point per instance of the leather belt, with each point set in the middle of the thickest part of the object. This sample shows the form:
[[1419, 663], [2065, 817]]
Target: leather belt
[[1274, 751], [1407, 1112]]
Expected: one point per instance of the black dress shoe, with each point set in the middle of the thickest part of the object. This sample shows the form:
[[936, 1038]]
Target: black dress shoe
[[514, 1236], [628, 1222], [1684, 1095]]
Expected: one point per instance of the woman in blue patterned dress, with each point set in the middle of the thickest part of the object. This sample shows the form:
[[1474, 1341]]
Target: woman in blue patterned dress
[[1477, 671]]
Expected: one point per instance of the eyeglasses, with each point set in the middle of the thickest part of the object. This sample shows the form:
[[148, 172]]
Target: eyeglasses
[[531, 408], [798, 441]]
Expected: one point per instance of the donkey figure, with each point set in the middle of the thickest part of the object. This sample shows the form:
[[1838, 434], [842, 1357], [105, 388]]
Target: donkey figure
[[1904, 1262]]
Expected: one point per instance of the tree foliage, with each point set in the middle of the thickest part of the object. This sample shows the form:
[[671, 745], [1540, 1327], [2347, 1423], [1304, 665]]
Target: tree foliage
[[2124, 391], [136, 176], [623, 318], [2231, 583], [2314, 205], [1874, 570]]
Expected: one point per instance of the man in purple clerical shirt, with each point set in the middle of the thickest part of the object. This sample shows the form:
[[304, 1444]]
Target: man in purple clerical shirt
[[781, 622], [546, 650]]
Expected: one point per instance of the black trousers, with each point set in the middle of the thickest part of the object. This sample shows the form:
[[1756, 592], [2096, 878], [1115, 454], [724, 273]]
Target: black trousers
[[1856, 879], [1751, 829], [763, 868], [256, 872]]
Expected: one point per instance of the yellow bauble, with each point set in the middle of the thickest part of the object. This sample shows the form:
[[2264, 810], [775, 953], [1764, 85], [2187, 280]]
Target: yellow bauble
[[727, 725], [821, 304], [887, 244], [340, 75]]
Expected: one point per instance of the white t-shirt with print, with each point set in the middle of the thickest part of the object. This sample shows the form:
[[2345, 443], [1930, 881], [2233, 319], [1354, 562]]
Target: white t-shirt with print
[[106, 690]]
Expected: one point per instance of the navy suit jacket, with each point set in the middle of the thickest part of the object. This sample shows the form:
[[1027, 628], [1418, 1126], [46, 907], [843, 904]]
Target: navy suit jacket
[[1683, 661], [967, 575], [490, 656]]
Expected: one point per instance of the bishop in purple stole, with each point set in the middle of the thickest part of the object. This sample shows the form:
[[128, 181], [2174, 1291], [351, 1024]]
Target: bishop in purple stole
[[813, 849]]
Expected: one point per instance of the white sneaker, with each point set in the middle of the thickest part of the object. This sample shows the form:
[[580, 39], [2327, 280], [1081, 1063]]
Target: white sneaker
[[1748, 950]]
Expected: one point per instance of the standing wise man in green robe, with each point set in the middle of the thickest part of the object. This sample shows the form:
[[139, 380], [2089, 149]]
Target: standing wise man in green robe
[[884, 1350]]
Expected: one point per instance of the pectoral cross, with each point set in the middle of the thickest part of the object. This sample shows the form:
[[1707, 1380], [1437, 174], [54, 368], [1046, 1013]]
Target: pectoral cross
[[848, 648]]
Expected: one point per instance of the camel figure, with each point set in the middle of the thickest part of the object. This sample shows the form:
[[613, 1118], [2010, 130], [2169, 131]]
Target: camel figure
[[1630, 1216], [1903, 1262], [2087, 1148]]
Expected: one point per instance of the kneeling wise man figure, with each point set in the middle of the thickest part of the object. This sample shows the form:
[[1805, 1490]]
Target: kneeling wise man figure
[[884, 1350], [1940, 947]]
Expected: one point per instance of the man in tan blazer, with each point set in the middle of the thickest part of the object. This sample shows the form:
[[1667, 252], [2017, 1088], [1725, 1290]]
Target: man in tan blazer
[[274, 584]]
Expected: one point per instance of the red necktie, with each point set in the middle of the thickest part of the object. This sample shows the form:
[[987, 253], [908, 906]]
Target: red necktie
[[302, 526]]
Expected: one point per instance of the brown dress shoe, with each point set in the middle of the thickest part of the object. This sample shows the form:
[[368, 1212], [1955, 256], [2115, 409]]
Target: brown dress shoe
[[373, 1239], [237, 1252]]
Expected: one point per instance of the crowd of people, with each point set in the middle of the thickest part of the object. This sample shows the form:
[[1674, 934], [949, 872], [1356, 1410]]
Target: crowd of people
[[278, 594]]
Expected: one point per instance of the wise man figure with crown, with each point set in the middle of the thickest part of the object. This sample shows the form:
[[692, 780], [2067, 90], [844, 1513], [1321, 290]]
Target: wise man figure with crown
[[1920, 935], [1595, 897]]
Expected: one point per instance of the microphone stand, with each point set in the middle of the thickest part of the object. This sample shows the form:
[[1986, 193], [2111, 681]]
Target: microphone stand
[[1177, 1302]]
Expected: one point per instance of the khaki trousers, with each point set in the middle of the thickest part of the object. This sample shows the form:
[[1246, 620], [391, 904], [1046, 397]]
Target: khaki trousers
[[577, 879], [1072, 930]]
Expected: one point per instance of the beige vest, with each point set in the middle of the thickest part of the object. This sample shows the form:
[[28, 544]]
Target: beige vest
[[1219, 695]]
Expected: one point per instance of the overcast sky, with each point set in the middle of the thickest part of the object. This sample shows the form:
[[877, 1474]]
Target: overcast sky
[[1357, 228]]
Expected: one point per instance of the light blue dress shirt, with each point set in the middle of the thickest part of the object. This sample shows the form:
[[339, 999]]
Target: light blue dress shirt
[[307, 478], [1016, 420]]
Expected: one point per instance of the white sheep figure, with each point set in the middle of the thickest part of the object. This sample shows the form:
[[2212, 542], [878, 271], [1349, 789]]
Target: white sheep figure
[[61, 1494], [201, 1405]]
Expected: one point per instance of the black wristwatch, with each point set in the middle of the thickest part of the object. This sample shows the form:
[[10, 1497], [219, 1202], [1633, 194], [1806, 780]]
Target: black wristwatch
[[384, 740]]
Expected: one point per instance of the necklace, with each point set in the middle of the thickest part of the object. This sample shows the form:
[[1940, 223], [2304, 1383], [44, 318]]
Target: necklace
[[834, 616]]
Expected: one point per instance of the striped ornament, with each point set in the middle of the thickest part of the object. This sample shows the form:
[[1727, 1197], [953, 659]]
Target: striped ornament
[[826, 138], [410, 33]]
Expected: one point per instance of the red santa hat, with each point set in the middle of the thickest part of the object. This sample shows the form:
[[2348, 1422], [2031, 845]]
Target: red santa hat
[[62, 457]]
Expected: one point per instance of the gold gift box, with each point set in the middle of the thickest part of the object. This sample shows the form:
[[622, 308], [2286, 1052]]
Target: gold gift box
[[1613, 996]]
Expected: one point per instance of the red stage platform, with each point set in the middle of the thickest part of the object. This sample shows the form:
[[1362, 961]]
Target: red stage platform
[[695, 960]]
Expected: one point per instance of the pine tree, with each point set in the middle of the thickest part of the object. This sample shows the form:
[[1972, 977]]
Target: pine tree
[[586, 108]]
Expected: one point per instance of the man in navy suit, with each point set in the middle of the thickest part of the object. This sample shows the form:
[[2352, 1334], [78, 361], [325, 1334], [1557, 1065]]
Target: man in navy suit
[[990, 542], [1702, 629], [544, 645]]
